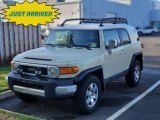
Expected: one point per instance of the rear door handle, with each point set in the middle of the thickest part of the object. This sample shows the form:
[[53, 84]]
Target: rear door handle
[[122, 51]]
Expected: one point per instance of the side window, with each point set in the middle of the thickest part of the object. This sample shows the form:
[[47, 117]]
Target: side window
[[124, 36], [111, 35]]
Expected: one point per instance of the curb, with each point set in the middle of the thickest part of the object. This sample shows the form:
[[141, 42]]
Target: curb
[[6, 94]]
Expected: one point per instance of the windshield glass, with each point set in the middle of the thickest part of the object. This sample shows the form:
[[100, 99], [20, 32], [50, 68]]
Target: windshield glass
[[73, 38]]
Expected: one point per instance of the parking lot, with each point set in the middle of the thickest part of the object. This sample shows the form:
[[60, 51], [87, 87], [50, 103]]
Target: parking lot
[[119, 101]]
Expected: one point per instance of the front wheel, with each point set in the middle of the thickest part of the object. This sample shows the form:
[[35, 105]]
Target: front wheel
[[87, 97], [134, 75]]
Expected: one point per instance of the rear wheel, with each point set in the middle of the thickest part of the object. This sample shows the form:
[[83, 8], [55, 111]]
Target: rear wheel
[[26, 98], [153, 33], [87, 97], [134, 75], [140, 33]]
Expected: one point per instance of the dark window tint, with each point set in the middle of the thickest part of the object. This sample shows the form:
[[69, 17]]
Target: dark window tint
[[149, 27], [60, 0], [125, 36], [111, 35]]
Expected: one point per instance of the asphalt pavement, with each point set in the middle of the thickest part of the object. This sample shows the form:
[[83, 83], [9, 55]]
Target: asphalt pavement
[[117, 97]]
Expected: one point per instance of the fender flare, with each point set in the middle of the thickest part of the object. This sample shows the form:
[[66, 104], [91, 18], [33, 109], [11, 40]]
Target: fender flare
[[134, 57], [84, 73]]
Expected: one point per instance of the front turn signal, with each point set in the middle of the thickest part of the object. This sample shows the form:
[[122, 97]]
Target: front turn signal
[[68, 70]]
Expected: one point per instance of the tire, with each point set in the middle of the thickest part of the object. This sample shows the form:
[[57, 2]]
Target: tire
[[134, 75], [153, 33], [140, 33], [88, 90], [26, 98]]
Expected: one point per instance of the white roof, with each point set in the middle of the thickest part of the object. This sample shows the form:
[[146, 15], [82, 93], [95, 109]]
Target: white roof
[[93, 26]]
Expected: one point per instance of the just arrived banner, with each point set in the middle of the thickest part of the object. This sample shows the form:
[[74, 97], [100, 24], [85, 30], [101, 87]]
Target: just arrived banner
[[33, 13]]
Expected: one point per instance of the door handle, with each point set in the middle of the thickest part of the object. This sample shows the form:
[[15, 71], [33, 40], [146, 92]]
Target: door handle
[[122, 51]]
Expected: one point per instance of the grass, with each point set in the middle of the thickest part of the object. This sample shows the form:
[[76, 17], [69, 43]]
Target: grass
[[4, 114], [4, 70], [7, 115]]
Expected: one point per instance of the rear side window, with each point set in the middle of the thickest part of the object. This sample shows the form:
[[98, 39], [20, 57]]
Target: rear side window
[[111, 35], [124, 36], [148, 28]]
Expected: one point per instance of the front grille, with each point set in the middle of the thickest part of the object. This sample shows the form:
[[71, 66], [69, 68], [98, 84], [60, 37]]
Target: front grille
[[32, 70]]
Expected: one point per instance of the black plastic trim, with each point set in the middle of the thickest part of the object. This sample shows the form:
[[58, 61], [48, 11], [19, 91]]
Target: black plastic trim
[[113, 20], [116, 76], [48, 85], [83, 74], [134, 57], [32, 58]]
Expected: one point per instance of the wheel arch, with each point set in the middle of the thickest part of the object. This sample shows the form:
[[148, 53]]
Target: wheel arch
[[97, 71], [138, 56]]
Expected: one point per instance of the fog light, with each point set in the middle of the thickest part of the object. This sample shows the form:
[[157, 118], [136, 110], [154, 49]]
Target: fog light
[[14, 67], [20, 70]]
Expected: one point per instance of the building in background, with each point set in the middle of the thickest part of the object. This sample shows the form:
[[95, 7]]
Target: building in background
[[155, 14], [2, 5], [140, 13]]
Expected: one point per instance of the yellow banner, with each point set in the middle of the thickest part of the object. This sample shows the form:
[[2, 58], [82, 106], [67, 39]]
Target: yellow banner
[[30, 13]]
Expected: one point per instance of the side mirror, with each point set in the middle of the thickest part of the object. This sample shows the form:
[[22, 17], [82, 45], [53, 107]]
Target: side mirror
[[113, 44], [45, 34]]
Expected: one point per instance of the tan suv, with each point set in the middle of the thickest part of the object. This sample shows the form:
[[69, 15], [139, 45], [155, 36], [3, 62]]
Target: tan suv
[[77, 61]]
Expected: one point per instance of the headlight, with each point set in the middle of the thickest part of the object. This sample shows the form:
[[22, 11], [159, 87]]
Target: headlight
[[14, 67], [53, 72]]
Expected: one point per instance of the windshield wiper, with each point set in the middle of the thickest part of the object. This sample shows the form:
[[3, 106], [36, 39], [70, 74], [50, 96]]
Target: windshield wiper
[[69, 46], [52, 45], [81, 46], [57, 45]]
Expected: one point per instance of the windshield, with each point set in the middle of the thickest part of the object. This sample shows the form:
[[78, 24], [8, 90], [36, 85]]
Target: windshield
[[73, 38]]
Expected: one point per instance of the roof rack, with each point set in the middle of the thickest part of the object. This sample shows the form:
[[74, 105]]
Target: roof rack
[[98, 20]]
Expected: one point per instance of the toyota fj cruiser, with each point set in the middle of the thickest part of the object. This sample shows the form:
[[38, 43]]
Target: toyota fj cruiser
[[77, 61]]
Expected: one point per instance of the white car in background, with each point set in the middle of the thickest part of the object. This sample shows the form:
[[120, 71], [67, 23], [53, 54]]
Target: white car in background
[[147, 30]]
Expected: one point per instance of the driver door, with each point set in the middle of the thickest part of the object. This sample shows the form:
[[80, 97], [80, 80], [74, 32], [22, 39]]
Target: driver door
[[114, 61]]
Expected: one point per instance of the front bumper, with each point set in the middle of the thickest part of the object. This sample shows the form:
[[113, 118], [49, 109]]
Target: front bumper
[[49, 88]]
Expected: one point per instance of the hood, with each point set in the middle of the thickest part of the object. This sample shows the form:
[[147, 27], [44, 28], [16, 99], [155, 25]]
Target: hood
[[53, 55]]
